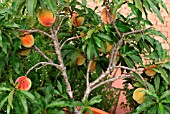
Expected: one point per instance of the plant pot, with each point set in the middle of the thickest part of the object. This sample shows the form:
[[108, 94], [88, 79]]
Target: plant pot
[[94, 110], [97, 111]]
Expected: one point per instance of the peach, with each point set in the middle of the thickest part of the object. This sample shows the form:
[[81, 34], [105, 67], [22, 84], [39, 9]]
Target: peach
[[23, 83], [27, 40], [149, 71], [46, 17], [24, 52], [93, 66], [139, 96], [80, 59], [77, 21], [105, 17]]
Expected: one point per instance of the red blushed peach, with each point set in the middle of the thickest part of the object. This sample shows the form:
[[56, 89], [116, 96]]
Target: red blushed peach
[[23, 83], [27, 40], [77, 21], [46, 17]]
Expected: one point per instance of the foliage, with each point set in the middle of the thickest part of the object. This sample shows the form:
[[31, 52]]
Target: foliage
[[49, 92]]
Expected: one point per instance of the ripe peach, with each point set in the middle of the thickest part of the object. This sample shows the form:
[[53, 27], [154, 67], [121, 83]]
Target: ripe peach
[[77, 21], [139, 96], [23, 83], [93, 66], [80, 59], [149, 71], [105, 17], [27, 40], [46, 17], [24, 52]]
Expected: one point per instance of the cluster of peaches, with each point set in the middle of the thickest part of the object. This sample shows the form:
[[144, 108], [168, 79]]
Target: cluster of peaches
[[47, 18], [138, 94]]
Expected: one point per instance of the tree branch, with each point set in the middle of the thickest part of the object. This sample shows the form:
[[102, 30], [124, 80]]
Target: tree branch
[[72, 38], [110, 80], [136, 31], [58, 28], [88, 72], [44, 64], [42, 53], [35, 30]]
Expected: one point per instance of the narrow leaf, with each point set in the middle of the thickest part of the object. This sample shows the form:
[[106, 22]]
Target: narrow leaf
[[155, 9], [10, 97], [3, 101]]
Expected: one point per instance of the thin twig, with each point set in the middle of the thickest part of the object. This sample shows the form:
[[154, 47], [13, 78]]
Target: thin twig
[[72, 38], [111, 80], [111, 55], [136, 31], [42, 63], [133, 70], [35, 30], [42, 53], [56, 21], [58, 28]]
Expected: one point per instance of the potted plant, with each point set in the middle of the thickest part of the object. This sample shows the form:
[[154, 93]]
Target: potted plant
[[56, 48]]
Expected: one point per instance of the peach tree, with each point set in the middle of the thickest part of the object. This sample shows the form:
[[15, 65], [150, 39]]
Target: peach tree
[[64, 56]]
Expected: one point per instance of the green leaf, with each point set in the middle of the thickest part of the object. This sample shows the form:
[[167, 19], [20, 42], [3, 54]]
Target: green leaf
[[31, 6], [58, 104], [163, 5], [144, 106], [90, 32], [8, 109], [96, 99], [103, 37], [43, 4], [59, 86], [166, 101], [163, 73], [0, 38], [151, 94], [129, 62], [3, 101], [10, 97], [84, 3], [154, 8], [11, 25], [157, 33], [23, 102], [157, 82], [138, 4], [137, 77], [150, 87], [90, 49], [161, 107], [152, 110], [136, 58], [165, 94], [29, 95], [5, 89], [76, 103], [135, 10], [52, 5]]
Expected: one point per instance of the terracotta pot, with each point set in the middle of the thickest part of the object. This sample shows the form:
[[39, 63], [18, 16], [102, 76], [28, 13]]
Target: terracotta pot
[[94, 110], [97, 111]]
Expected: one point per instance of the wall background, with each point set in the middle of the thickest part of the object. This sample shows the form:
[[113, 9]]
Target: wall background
[[164, 28]]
